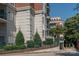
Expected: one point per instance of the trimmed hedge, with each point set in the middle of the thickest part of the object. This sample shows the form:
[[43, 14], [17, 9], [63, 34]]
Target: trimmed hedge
[[19, 39], [48, 41], [37, 40], [14, 47], [30, 44]]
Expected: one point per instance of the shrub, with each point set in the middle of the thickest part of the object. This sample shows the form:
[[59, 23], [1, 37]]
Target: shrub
[[21, 47], [30, 44], [10, 47], [19, 38], [37, 40], [2, 46], [14, 47], [48, 41]]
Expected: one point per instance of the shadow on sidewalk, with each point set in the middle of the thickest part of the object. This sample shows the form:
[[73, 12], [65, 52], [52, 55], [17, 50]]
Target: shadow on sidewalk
[[68, 54]]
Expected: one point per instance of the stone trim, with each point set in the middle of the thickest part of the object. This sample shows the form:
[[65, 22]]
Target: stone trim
[[38, 12], [3, 20], [10, 6], [24, 8]]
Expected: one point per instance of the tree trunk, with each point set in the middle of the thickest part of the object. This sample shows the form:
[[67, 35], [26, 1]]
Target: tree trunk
[[77, 45]]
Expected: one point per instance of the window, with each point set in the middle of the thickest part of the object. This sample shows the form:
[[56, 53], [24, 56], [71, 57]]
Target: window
[[43, 33], [2, 40], [2, 14]]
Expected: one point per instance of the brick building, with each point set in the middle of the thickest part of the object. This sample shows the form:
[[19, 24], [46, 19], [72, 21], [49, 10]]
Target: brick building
[[27, 17], [31, 17]]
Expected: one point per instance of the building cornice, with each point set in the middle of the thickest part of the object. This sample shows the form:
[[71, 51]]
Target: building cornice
[[9, 5], [3, 20], [39, 12], [24, 8]]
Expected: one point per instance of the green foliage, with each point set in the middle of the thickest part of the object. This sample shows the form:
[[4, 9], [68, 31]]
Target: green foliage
[[72, 27], [21, 47], [37, 40], [19, 43], [30, 44], [55, 31], [19, 38], [10, 47], [48, 41], [52, 31], [2, 46], [14, 47], [76, 35]]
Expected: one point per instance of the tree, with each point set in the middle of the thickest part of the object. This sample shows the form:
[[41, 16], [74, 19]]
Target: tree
[[56, 31], [56, 34], [37, 40], [72, 29], [19, 39]]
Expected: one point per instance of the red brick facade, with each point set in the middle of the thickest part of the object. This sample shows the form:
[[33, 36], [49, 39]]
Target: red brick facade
[[18, 5], [36, 6]]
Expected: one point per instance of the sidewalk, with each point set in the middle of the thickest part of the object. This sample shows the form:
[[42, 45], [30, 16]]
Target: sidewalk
[[42, 52], [46, 52], [56, 49], [57, 52]]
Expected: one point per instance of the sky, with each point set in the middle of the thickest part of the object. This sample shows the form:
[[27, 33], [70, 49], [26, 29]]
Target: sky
[[63, 10]]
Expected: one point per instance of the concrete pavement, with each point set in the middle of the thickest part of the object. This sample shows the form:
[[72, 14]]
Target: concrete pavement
[[47, 52]]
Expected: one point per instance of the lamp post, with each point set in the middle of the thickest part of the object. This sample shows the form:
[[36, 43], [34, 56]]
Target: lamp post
[[61, 42]]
